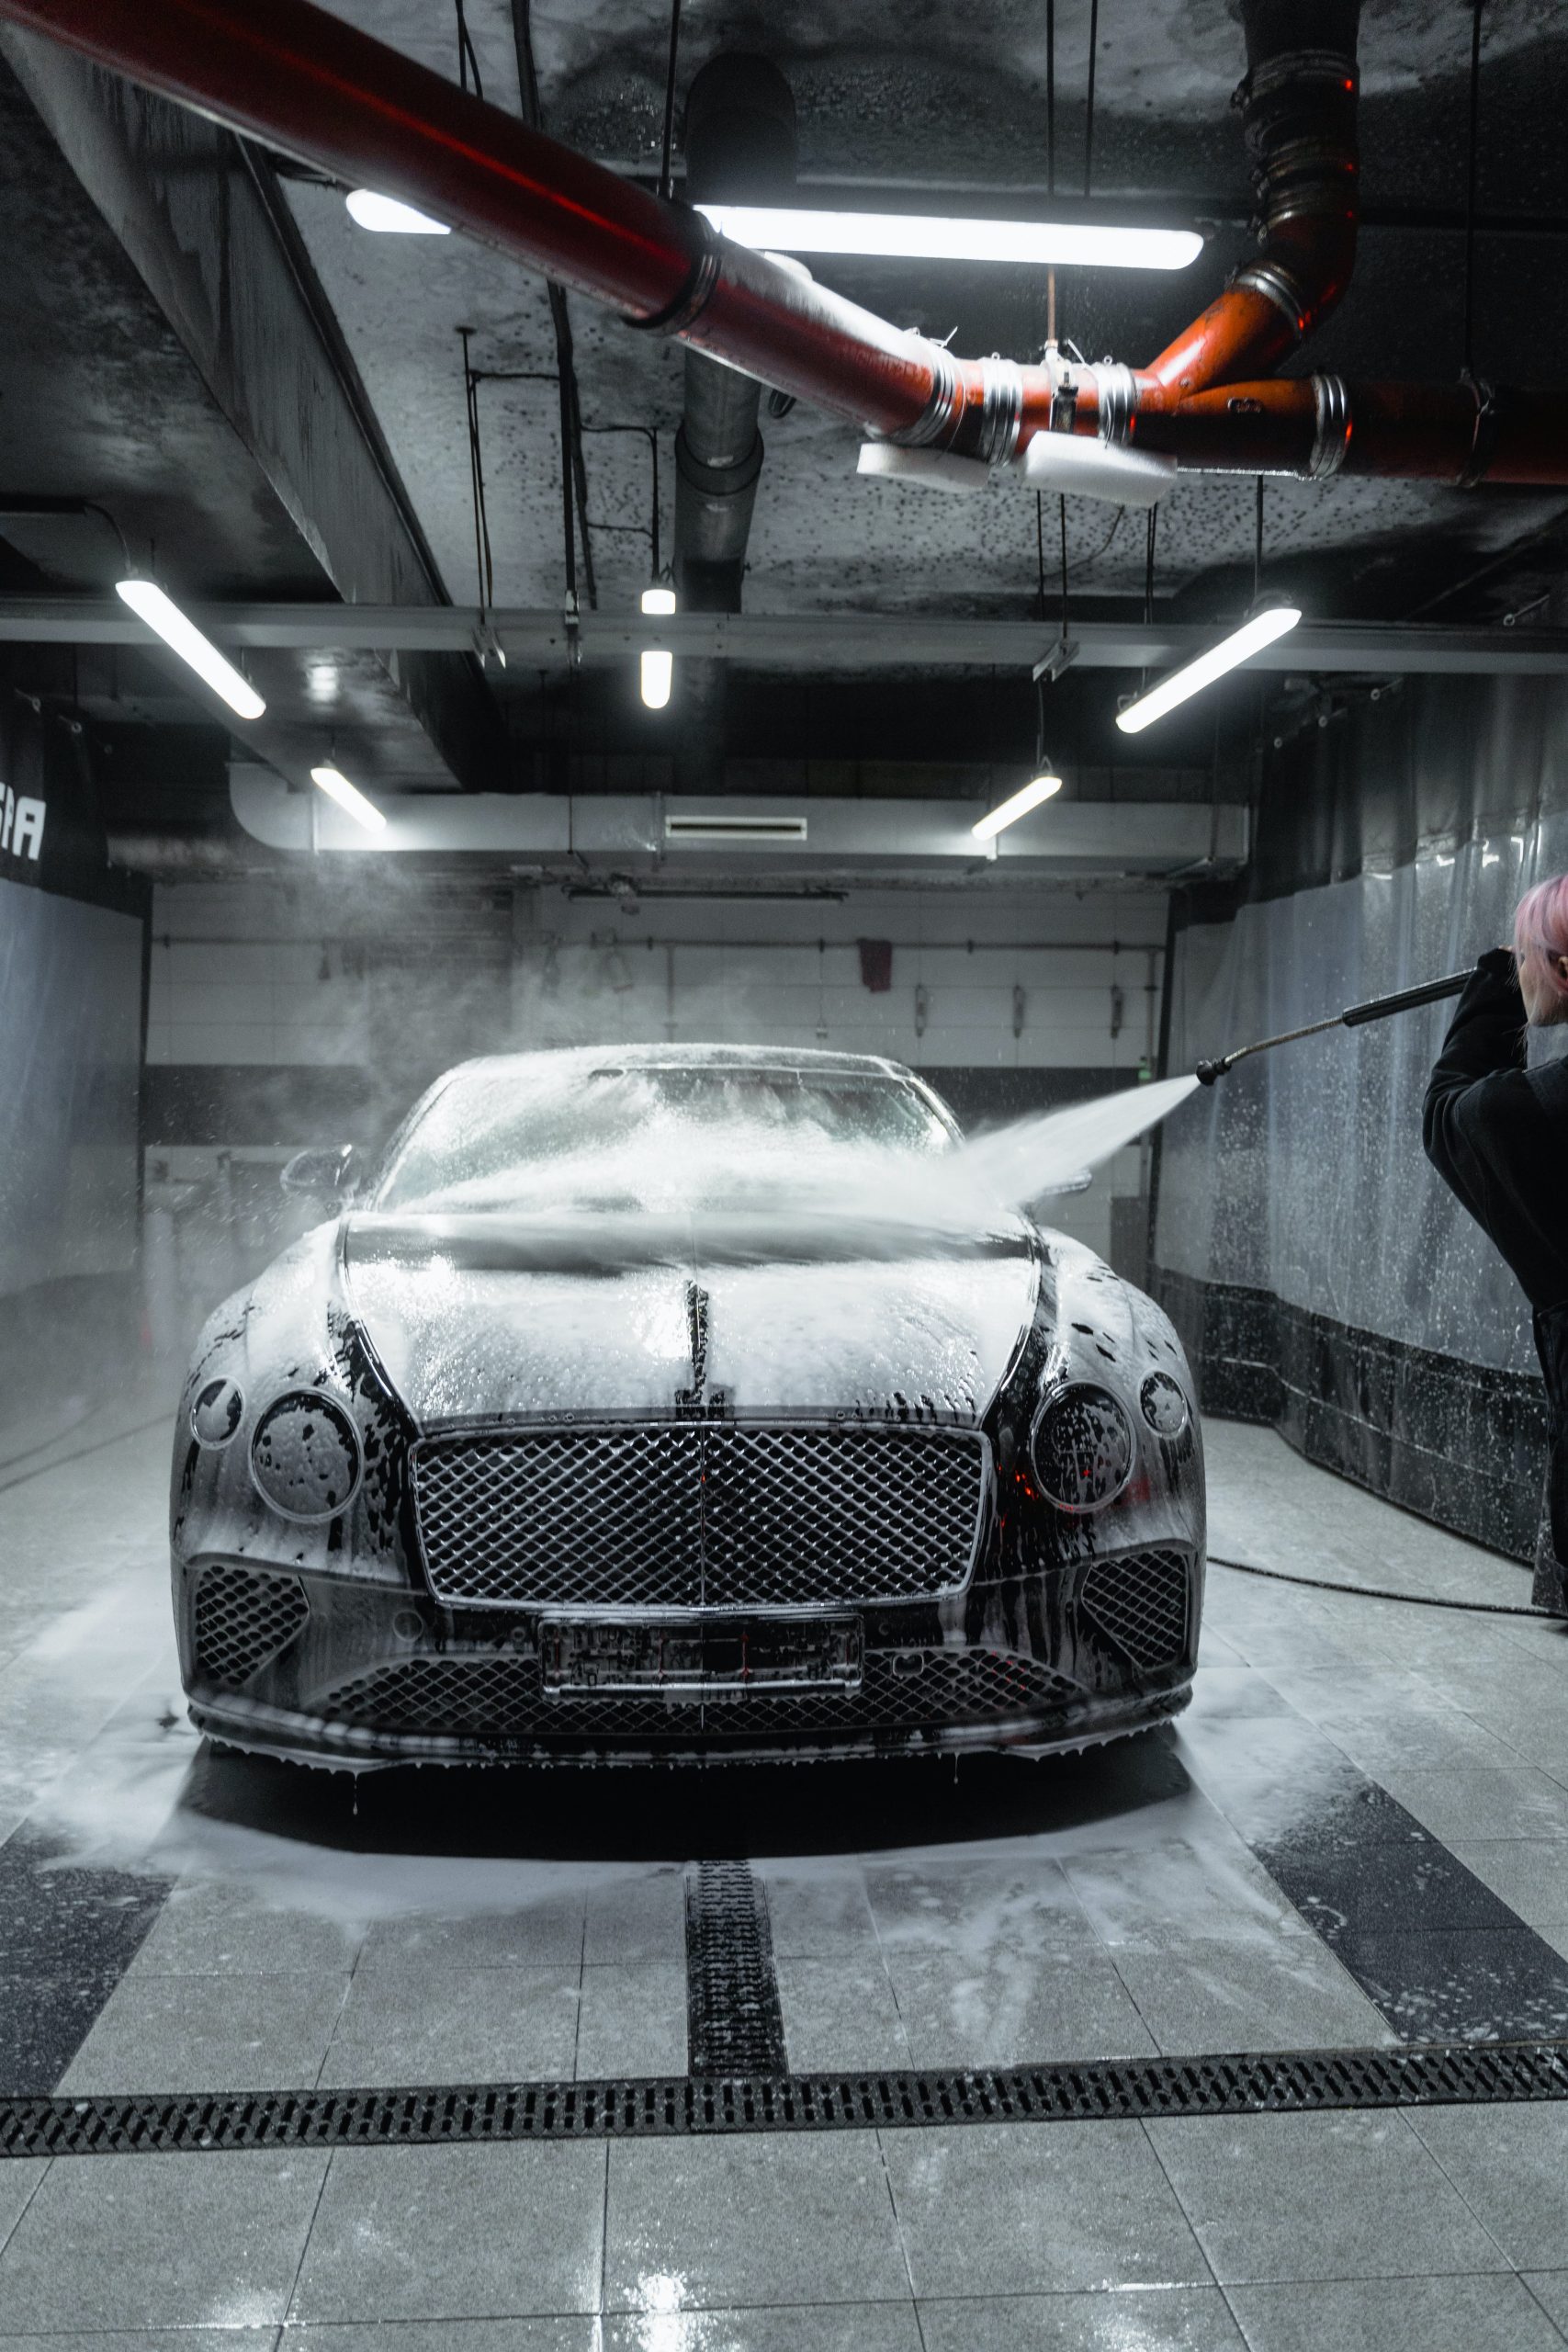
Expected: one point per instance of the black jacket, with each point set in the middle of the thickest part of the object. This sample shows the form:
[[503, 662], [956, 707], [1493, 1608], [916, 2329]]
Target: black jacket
[[1497, 1133]]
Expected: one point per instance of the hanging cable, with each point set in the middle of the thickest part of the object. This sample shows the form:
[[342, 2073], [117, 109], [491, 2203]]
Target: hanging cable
[[650, 436], [666, 181], [574, 472], [468, 60], [1152, 527], [1471, 161], [1089, 111], [1050, 190], [483, 560]]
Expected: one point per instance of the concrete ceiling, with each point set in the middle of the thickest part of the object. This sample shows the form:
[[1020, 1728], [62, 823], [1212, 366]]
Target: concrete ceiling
[[934, 101], [908, 104]]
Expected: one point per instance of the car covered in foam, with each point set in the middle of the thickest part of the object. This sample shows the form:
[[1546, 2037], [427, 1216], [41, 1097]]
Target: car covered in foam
[[681, 1403]]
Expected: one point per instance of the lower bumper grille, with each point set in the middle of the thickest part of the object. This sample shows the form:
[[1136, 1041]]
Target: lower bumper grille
[[699, 1515], [504, 1698], [242, 1619], [1139, 1605]]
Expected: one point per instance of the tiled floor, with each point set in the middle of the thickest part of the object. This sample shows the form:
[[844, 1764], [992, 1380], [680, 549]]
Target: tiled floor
[[1365, 1811]]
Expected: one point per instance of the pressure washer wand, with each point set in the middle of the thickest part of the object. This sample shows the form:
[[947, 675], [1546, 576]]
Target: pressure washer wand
[[1376, 1008]]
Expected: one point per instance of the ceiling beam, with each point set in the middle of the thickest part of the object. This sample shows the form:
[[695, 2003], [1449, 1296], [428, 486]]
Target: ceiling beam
[[813, 641], [227, 284]]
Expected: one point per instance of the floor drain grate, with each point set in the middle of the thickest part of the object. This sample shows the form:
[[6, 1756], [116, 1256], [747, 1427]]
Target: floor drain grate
[[1290, 2083], [733, 2023]]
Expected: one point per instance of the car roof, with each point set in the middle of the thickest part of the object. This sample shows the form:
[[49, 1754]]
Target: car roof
[[804, 1058]]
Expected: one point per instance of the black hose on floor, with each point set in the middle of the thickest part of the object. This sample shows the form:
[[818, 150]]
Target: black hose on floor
[[1380, 1592]]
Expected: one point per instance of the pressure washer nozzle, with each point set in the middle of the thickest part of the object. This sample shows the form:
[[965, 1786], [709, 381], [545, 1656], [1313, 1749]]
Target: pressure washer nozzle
[[1207, 1072]]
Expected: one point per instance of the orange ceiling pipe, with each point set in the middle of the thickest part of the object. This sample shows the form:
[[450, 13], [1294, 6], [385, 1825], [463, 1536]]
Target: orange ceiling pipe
[[302, 81]]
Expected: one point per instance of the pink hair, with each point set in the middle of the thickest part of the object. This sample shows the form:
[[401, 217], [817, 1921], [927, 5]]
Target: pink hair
[[1541, 931]]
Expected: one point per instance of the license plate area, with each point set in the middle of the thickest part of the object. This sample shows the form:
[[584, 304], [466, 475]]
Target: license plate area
[[693, 1660]]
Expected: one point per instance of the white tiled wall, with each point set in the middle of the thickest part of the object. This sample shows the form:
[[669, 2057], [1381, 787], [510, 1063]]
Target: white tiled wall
[[266, 976]]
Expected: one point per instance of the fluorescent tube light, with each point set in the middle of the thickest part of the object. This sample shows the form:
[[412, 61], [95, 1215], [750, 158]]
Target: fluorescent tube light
[[918, 236], [336, 786], [1027, 797], [657, 670], [148, 601], [390, 219], [1250, 638]]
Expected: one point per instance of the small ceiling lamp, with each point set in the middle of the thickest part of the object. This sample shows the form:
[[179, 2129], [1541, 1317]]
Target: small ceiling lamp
[[657, 669]]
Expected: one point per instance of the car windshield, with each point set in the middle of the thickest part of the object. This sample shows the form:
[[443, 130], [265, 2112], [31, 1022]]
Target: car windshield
[[627, 1137]]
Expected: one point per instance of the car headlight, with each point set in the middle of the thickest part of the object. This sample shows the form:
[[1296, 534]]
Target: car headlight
[[1082, 1445], [305, 1455], [1163, 1406]]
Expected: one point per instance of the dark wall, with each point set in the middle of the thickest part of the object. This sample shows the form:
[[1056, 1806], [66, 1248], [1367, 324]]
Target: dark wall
[[1323, 1277]]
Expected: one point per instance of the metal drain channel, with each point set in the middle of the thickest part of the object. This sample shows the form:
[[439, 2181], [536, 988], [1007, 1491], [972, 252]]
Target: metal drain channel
[[1294, 2083], [733, 2023]]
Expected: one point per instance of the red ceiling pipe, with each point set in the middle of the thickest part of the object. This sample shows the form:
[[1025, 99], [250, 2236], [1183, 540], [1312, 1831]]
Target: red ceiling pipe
[[1321, 425], [302, 80], [1298, 109], [289, 75]]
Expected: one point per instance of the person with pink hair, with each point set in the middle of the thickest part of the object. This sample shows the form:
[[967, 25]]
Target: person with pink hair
[[1497, 1133]]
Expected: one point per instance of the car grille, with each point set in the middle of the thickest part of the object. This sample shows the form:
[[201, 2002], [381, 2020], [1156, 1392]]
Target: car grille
[[1139, 1605], [243, 1618], [502, 1698], [698, 1515]]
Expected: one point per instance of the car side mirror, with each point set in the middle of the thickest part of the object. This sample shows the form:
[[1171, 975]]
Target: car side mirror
[[322, 1174]]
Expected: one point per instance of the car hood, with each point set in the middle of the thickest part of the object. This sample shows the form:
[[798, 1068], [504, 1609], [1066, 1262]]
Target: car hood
[[493, 1316]]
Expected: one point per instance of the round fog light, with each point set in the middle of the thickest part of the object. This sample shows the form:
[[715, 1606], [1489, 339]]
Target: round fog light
[[1082, 1446], [305, 1456], [215, 1415], [1162, 1405]]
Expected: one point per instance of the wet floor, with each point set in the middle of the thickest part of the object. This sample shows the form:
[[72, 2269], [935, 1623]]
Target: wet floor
[[1357, 1838]]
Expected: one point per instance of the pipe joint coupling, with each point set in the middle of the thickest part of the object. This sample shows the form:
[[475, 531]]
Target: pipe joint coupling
[[1275, 283], [1001, 410], [1118, 389], [940, 415], [1331, 436], [695, 296]]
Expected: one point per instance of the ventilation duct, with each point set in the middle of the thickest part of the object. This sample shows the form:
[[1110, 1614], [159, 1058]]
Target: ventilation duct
[[740, 148]]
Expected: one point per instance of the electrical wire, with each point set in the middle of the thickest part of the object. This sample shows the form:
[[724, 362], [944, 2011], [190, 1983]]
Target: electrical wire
[[1089, 109], [574, 472], [468, 60], [1472, 160], [483, 563], [1380, 1592], [666, 182]]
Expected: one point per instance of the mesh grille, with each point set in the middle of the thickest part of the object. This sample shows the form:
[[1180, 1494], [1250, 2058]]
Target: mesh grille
[[242, 1619], [502, 1697], [1140, 1604], [674, 1516]]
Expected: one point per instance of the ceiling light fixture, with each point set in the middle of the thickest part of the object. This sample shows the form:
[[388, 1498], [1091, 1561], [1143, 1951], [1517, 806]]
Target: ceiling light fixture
[[161, 614], [390, 219], [918, 236], [1030, 795], [336, 786], [1250, 638], [657, 670]]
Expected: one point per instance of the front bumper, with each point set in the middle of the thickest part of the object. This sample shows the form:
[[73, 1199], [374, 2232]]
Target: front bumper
[[328, 1669]]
